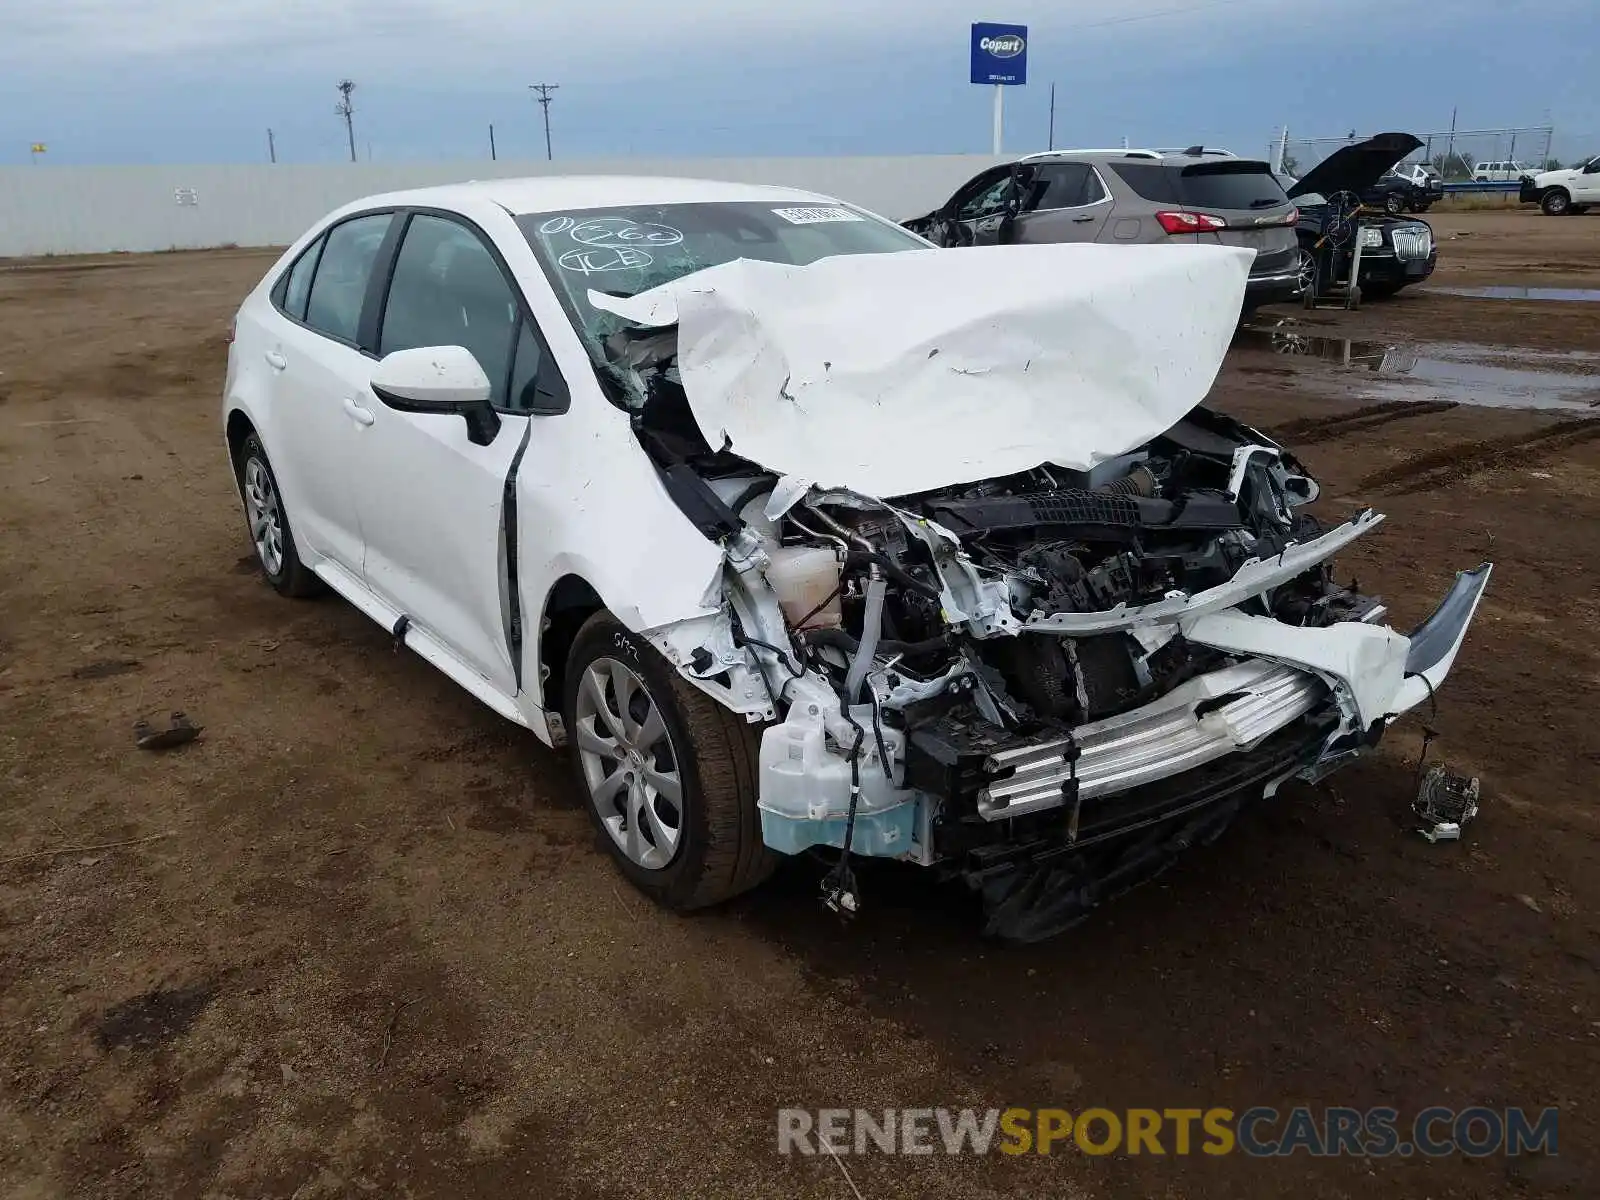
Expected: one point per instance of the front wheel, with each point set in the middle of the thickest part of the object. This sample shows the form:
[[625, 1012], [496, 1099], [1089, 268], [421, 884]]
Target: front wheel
[[670, 776], [1394, 204], [269, 524], [1556, 203]]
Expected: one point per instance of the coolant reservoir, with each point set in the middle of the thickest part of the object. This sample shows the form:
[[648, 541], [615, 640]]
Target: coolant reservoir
[[806, 578]]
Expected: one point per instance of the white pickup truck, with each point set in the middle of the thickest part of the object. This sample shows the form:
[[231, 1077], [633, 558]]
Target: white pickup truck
[[1505, 170], [1569, 190]]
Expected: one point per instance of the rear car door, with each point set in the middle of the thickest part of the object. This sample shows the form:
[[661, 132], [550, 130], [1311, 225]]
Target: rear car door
[[432, 501], [1062, 202], [316, 368]]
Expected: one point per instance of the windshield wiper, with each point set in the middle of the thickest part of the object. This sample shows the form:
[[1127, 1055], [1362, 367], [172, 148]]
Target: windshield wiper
[[1266, 202]]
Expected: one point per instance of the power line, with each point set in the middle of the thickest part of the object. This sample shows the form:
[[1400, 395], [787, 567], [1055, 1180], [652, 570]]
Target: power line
[[544, 90]]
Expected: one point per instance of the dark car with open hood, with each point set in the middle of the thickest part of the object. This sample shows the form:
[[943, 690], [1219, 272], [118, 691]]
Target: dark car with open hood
[[1395, 251]]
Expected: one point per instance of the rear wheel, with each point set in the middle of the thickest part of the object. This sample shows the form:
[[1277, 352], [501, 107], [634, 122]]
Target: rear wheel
[[1306, 278], [1556, 203], [1394, 204], [669, 775], [268, 522]]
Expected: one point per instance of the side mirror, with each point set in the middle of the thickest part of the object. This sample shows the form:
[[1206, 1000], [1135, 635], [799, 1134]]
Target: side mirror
[[438, 379]]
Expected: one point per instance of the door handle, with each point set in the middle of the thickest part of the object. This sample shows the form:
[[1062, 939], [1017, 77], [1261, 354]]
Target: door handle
[[1082, 217], [358, 414], [276, 361]]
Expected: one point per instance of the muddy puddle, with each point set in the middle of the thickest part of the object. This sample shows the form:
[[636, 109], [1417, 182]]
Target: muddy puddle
[[1460, 372], [1580, 295]]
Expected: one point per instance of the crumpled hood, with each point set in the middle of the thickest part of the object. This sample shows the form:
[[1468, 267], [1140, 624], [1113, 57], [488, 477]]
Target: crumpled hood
[[891, 374]]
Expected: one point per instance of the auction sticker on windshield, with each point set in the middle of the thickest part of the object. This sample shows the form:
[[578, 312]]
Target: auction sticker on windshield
[[816, 216]]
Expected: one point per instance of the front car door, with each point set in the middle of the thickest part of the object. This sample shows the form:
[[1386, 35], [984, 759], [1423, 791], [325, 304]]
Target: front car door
[[1586, 185], [315, 360], [1062, 202], [975, 213], [432, 501]]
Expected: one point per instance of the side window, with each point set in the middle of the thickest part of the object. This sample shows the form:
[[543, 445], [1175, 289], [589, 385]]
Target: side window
[[343, 272], [1063, 185], [1094, 191], [985, 200], [292, 292], [448, 290]]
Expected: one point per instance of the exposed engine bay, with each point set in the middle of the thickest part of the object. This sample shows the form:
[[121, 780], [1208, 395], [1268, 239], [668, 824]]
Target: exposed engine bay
[[1047, 682]]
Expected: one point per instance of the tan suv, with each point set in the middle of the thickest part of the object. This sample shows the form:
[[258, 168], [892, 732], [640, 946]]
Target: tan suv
[[1132, 197]]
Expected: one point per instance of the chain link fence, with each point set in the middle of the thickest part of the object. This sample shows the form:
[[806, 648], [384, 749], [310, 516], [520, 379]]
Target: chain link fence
[[1465, 155]]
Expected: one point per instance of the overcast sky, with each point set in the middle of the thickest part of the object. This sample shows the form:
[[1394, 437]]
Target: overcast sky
[[107, 81]]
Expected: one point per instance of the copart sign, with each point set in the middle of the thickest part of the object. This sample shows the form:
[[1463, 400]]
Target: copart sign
[[999, 53]]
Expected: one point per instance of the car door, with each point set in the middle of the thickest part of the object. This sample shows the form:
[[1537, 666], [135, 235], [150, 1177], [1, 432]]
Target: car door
[[316, 368], [432, 500], [975, 213], [1586, 184], [1062, 202]]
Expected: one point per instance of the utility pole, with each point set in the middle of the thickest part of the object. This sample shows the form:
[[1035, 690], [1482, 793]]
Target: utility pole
[[272, 148], [1450, 150], [1052, 142], [544, 90], [491, 142], [346, 110]]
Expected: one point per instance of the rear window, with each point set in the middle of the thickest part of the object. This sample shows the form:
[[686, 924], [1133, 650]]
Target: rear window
[[1231, 184]]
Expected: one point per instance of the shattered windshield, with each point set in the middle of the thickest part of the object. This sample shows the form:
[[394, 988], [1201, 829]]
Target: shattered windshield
[[625, 251]]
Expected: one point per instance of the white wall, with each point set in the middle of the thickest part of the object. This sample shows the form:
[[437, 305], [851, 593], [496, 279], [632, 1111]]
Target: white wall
[[83, 210]]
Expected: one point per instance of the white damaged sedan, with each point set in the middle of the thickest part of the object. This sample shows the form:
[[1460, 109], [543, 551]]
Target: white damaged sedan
[[804, 535]]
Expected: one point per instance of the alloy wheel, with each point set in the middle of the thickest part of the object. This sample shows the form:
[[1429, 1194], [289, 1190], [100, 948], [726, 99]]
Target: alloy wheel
[[629, 763], [265, 513], [1305, 272]]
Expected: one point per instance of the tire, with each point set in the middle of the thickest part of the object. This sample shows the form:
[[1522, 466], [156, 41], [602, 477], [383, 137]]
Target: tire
[[275, 550], [1557, 202], [1481, 179], [715, 849], [1394, 204]]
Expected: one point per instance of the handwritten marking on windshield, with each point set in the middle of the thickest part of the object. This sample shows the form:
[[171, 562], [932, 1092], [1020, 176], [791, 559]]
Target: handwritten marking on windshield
[[596, 259], [621, 232]]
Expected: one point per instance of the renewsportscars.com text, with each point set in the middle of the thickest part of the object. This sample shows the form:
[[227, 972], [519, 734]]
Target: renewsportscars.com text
[[1259, 1132]]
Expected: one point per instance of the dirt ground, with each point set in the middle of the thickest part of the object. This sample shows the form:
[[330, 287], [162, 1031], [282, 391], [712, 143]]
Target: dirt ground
[[359, 939]]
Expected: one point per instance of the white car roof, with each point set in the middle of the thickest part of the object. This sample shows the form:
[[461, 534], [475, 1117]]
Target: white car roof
[[546, 193]]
